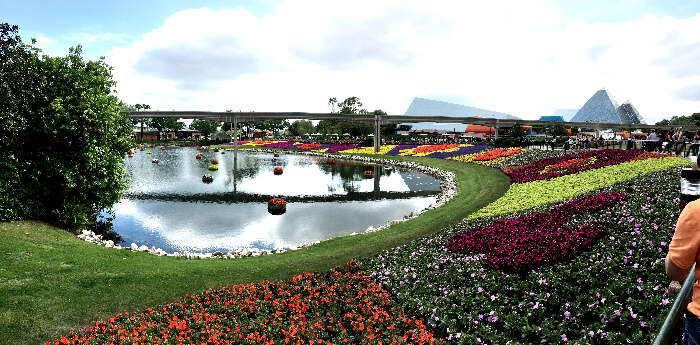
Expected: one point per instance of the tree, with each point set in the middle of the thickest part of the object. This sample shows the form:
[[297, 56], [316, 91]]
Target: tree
[[207, 127], [301, 127], [63, 135], [144, 121], [351, 105], [169, 123]]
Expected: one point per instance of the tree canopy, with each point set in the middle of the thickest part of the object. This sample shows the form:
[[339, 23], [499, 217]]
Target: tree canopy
[[207, 127], [62, 135]]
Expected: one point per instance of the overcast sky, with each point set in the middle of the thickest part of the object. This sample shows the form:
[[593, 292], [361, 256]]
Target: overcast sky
[[525, 58]]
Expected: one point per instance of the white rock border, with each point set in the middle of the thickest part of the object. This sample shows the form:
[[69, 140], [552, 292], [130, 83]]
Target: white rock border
[[448, 190]]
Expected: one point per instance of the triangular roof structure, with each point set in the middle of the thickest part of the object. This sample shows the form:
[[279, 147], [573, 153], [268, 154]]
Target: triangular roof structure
[[423, 106], [629, 114], [599, 108], [552, 118]]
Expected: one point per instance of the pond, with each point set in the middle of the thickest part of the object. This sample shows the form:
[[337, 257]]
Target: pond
[[168, 206]]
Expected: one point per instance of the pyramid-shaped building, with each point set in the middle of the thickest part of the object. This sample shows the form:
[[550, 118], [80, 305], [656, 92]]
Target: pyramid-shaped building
[[602, 107], [428, 107]]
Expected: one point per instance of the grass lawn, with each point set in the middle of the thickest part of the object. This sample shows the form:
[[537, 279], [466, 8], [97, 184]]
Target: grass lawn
[[51, 281]]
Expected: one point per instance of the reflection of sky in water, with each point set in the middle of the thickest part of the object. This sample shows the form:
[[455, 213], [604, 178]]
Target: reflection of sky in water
[[206, 227], [180, 173]]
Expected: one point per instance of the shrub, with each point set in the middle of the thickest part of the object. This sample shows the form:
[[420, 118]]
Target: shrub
[[63, 137]]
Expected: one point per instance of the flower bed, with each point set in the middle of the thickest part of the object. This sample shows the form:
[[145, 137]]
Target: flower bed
[[517, 244], [551, 168], [338, 307], [589, 270]]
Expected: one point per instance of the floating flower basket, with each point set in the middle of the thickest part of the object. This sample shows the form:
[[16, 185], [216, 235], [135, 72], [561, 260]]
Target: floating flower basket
[[278, 170], [162, 148], [155, 161], [216, 150], [369, 174], [331, 161], [213, 168], [277, 206], [214, 161], [130, 152], [207, 178], [223, 152], [130, 155], [276, 155], [198, 156], [149, 152]]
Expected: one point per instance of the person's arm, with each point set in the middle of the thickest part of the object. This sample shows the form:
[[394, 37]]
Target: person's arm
[[674, 272]]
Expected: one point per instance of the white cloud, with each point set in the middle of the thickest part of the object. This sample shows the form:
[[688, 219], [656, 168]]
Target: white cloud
[[522, 58]]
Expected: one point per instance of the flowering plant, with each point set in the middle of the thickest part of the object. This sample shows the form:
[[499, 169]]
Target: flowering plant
[[278, 170], [517, 244], [343, 306], [198, 156], [277, 202], [214, 161]]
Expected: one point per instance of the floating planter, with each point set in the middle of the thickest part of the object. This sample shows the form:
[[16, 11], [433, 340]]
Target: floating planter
[[207, 178], [162, 148], [155, 161], [331, 161], [216, 150], [199, 148], [369, 174], [278, 170], [130, 155], [277, 206], [214, 161], [276, 155], [149, 152], [213, 167], [223, 152], [130, 152], [198, 156]]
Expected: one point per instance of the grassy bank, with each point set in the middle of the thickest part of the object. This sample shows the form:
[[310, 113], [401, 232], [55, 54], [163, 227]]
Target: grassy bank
[[51, 281]]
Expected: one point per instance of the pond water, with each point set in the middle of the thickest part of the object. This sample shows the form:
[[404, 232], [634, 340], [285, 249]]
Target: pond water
[[168, 206]]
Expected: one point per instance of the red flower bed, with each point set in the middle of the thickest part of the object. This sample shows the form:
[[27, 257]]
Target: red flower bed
[[518, 244], [533, 171], [566, 165], [308, 146], [432, 148], [342, 306], [497, 153]]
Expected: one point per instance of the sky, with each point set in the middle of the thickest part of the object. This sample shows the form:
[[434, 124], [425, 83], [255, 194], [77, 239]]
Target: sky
[[525, 58]]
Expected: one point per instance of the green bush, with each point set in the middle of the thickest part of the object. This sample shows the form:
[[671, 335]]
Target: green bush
[[63, 137]]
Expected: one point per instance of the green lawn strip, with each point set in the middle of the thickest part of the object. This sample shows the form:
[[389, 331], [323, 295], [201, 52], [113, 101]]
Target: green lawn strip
[[51, 281]]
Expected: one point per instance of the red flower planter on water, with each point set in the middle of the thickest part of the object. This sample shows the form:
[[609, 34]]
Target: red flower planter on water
[[278, 170], [277, 206]]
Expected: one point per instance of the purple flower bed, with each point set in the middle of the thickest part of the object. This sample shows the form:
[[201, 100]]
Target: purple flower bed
[[396, 150], [282, 145], [603, 158], [518, 244], [463, 151], [340, 147]]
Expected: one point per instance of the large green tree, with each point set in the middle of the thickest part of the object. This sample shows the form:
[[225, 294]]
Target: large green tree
[[301, 127], [63, 137], [351, 105], [166, 123], [690, 120], [205, 126]]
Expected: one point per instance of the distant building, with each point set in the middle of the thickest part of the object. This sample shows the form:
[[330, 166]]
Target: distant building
[[567, 114], [602, 107], [552, 118], [428, 107]]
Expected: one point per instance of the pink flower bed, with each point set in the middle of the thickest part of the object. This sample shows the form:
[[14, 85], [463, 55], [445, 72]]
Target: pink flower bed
[[518, 244]]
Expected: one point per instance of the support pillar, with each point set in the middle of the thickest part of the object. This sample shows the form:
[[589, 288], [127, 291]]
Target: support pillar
[[377, 133], [498, 125], [235, 143]]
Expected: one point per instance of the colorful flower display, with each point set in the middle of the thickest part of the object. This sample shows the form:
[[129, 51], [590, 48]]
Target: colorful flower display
[[574, 163], [343, 306], [517, 244]]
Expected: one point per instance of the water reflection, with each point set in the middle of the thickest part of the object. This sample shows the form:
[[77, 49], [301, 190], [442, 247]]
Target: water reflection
[[168, 206]]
